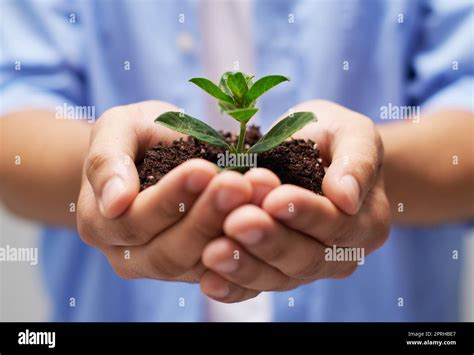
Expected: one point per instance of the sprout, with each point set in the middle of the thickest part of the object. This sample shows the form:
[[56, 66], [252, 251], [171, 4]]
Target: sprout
[[237, 95]]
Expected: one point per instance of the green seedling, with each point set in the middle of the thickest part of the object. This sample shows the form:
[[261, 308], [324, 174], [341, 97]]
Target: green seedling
[[237, 95]]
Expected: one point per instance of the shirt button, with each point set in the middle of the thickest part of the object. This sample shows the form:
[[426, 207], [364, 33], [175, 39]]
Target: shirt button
[[185, 42]]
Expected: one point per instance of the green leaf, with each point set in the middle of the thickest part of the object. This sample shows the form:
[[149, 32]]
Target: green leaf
[[212, 89], [224, 106], [249, 80], [282, 130], [223, 83], [264, 84], [243, 114], [237, 84], [180, 122]]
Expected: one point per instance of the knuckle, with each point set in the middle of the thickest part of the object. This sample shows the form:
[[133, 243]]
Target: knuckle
[[131, 235], [94, 232], [340, 232], [246, 279], [162, 265], [89, 226], [195, 274], [95, 163], [168, 209], [272, 253], [367, 162], [128, 238], [205, 230], [85, 229], [309, 267], [364, 166], [337, 231], [339, 240], [307, 222]]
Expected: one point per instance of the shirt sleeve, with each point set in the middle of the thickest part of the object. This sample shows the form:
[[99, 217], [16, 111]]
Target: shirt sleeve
[[443, 64], [41, 57]]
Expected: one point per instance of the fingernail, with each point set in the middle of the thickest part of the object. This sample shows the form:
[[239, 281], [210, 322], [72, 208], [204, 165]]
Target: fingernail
[[112, 189], [227, 199], [350, 186], [221, 292], [250, 237], [226, 266], [197, 181]]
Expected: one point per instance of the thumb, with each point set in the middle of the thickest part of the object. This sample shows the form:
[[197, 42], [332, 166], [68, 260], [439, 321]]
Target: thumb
[[356, 159], [110, 167]]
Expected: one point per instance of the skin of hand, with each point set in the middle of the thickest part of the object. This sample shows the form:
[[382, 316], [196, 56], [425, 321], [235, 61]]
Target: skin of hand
[[147, 234], [278, 241]]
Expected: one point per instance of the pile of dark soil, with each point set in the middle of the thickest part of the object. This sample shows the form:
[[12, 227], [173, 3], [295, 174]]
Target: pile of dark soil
[[295, 161]]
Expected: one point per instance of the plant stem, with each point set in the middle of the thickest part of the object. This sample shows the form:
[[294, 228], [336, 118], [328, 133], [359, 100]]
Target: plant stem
[[240, 145]]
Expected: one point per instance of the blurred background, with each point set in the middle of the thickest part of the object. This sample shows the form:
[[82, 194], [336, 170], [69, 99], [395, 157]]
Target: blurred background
[[22, 297]]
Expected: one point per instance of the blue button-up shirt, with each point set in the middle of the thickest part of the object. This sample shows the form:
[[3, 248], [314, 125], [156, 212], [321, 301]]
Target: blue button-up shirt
[[362, 54]]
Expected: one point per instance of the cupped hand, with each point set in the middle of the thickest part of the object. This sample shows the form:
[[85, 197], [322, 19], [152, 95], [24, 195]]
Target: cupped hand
[[160, 232], [280, 241]]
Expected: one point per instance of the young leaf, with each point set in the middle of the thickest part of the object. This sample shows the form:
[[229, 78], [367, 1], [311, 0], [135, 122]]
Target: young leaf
[[224, 106], [262, 85], [282, 130], [237, 84], [223, 83], [182, 123], [243, 114], [249, 80], [212, 89]]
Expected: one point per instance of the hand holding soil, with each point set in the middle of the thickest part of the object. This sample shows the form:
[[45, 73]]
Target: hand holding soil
[[282, 241], [161, 232], [189, 225], [295, 161]]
